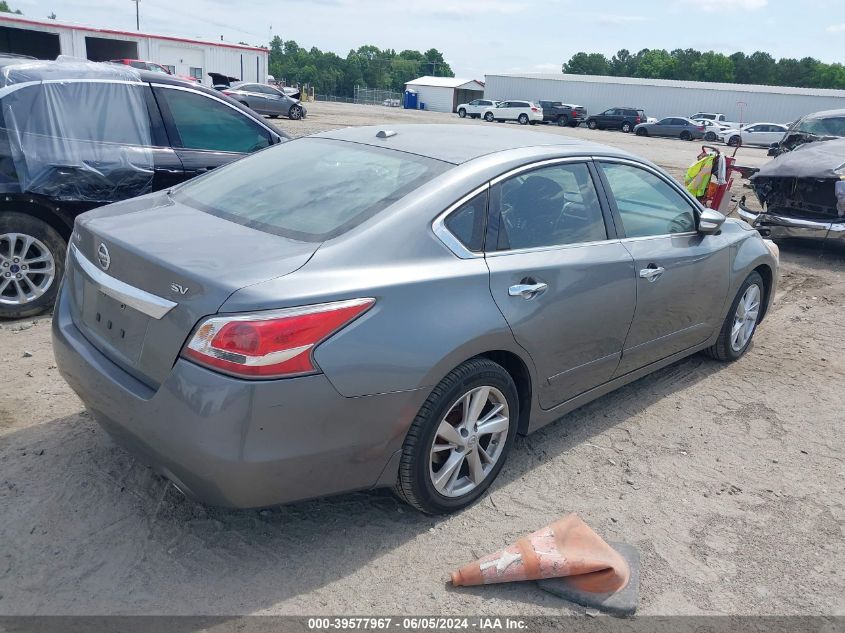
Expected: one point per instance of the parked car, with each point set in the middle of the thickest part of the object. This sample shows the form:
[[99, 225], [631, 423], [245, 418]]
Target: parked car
[[616, 119], [710, 116], [563, 113], [675, 127], [153, 67], [711, 129], [819, 126], [266, 99], [761, 134], [523, 112], [802, 194], [475, 108], [77, 135], [411, 300]]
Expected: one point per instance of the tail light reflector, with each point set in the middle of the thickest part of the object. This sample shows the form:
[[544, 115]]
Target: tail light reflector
[[638, 120], [535, 110], [273, 344]]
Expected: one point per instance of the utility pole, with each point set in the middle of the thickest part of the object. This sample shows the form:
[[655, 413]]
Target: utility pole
[[137, 14]]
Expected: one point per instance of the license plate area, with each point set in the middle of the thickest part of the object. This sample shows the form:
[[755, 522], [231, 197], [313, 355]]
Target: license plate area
[[115, 327]]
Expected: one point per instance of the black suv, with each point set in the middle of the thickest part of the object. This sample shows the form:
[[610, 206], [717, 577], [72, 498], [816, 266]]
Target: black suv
[[617, 119], [79, 135], [563, 113]]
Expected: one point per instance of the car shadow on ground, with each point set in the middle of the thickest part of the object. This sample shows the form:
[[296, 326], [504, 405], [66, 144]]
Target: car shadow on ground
[[108, 522]]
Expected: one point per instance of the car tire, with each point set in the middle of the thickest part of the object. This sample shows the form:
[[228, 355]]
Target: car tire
[[642, 132], [592, 124], [729, 347], [295, 113], [420, 464], [562, 120], [575, 123], [735, 141], [44, 241], [627, 127], [709, 137], [462, 113], [488, 116], [523, 119], [686, 136]]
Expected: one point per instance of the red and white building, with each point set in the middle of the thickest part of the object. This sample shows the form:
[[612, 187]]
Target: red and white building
[[47, 39]]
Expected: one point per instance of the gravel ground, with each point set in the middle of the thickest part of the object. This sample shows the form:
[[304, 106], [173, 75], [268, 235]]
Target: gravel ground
[[728, 478]]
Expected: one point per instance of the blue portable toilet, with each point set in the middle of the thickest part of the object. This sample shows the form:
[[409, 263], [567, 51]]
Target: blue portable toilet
[[410, 100]]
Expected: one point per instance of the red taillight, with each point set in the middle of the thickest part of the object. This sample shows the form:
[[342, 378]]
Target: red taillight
[[638, 120], [574, 113], [700, 128], [226, 92], [274, 344], [535, 109]]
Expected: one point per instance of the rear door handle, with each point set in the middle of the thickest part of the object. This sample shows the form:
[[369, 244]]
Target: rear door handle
[[527, 291], [652, 274]]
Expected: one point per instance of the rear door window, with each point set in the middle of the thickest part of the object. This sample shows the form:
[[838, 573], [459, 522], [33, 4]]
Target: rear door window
[[310, 189], [203, 123]]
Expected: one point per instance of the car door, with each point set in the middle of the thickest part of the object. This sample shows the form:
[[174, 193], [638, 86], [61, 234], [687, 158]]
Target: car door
[[276, 103], [682, 275], [474, 106], [168, 168], [503, 110], [662, 128], [207, 132], [562, 280], [751, 135]]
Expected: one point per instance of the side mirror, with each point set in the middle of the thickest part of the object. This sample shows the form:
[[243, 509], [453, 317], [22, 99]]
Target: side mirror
[[710, 221]]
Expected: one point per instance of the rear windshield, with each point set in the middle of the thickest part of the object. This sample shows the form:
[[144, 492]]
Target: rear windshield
[[309, 189]]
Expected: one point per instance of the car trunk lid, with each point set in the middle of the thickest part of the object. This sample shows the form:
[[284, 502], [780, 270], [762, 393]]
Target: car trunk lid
[[142, 274]]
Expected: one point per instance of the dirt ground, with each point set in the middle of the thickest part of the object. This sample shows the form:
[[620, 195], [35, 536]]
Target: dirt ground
[[728, 478]]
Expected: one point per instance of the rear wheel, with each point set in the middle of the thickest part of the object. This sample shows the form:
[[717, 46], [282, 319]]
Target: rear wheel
[[627, 127], [488, 116], [32, 260], [462, 113], [592, 124], [523, 119], [295, 112], [741, 322], [460, 438], [563, 120], [686, 136]]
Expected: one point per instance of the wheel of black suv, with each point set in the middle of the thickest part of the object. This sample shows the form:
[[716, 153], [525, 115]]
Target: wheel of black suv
[[32, 260], [592, 124], [627, 127], [686, 136], [462, 113], [295, 112], [488, 116], [741, 322], [563, 120], [523, 119], [460, 438]]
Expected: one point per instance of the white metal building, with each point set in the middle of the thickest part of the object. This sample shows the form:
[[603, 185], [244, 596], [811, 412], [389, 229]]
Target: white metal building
[[444, 94], [662, 97], [47, 39]]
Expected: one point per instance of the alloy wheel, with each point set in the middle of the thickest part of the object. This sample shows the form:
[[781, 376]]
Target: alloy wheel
[[745, 318], [27, 268], [469, 441]]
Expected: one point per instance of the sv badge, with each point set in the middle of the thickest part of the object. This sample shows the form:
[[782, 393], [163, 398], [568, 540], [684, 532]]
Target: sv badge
[[179, 288]]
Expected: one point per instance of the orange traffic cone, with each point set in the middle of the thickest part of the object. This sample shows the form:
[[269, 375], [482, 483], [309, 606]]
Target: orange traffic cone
[[589, 569]]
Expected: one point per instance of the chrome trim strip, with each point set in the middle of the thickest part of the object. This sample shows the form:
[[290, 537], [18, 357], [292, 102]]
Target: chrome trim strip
[[143, 301], [550, 247], [445, 235]]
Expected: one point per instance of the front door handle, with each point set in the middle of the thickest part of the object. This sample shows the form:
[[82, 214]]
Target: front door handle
[[527, 291], [652, 273]]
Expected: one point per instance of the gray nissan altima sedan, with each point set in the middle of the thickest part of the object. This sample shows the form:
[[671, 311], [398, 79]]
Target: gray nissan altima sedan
[[388, 308]]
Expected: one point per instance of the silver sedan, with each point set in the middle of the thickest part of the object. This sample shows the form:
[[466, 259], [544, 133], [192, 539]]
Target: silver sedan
[[389, 308], [265, 99]]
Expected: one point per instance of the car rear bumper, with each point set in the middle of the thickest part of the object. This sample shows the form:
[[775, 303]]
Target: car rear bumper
[[239, 443], [779, 226]]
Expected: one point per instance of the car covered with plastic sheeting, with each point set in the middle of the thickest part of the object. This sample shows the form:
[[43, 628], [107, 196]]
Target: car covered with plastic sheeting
[[802, 193], [75, 135]]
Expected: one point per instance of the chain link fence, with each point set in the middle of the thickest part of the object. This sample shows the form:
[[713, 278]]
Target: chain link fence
[[366, 96]]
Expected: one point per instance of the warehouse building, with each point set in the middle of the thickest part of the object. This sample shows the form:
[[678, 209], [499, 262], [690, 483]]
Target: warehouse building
[[47, 39], [662, 97], [444, 94]]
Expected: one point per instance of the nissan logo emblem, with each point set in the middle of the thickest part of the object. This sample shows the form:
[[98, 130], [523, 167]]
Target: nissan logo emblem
[[103, 257]]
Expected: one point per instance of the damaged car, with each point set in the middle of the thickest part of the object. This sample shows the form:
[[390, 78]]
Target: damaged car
[[819, 126], [77, 135], [802, 193]]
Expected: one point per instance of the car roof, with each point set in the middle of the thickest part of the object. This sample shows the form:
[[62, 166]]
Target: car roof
[[461, 143], [19, 70]]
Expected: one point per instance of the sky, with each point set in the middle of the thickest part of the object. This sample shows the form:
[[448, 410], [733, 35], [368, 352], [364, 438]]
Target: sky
[[485, 36]]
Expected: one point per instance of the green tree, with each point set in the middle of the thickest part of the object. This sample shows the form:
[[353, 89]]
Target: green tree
[[714, 67], [4, 8], [587, 64], [657, 64]]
